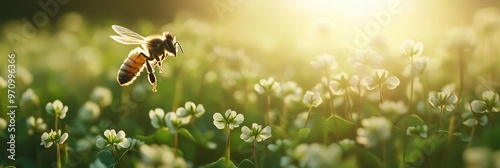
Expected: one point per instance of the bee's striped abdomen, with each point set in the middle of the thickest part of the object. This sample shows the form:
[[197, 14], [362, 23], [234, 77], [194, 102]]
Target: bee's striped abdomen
[[131, 67]]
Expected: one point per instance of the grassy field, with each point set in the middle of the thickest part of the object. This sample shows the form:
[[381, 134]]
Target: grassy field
[[256, 88]]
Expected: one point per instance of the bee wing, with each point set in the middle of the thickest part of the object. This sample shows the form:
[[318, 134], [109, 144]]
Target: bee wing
[[127, 40], [127, 36]]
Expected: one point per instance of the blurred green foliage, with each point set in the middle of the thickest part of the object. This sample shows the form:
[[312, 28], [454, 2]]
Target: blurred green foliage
[[222, 62]]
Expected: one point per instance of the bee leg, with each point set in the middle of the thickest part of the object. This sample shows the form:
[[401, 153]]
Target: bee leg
[[151, 76], [160, 66], [160, 63]]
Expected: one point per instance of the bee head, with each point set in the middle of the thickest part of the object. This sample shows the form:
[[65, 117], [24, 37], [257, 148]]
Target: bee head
[[171, 44]]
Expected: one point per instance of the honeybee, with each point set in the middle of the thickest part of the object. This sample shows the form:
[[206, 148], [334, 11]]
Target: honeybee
[[155, 49]]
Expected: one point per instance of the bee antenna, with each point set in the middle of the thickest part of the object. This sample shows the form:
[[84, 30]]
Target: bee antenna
[[180, 46]]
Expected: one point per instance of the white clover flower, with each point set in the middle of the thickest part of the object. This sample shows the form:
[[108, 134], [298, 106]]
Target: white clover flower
[[190, 110], [244, 97], [210, 76], [230, 118], [471, 118], [312, 99], [443, 100], [112, 138], [29, 96], [89, 111], [375, 130], [460, 38], [490, 102], [380, 77], [35, 125], [300, 120], [157, 117], [84, 145], [291, 92], [3, 124], [365, 57], [174, 122], [320, 88], [134, 143], [324, 61], [496, 158], [411, 49], [228, 78], [257, 133], [286, 161], [159, 156], [487, 21], [346, 144], [102, 96], [269, 86], [341, 82], [57, 108], [24, 75], [417, 130], [53, 137], [300, 151], [318, 155], [3, 83], [393, 107], [280, 144], [419, 66], [477, 157]]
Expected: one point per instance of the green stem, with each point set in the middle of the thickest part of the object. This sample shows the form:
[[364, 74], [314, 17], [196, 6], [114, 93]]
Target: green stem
[[358, 123], [176, 145], [35, 126], [268, 107], [429, 161], [228, 145], [348, 104], [451, 130], [66, 146], [426, 97], [201, 81], [56, 123], [325, 134], [115, 155], [284, 117], [256, 160], [461, 76], [58, 152], [380, 98], [38, 112], [177, 93], [384, 153], [121, 157], [473, 130], [490, 116], [308, 114], [411, 85], [440, 117], [330, 103]]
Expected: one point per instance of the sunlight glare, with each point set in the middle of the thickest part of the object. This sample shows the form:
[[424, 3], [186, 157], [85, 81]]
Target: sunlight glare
[[353, 8]]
